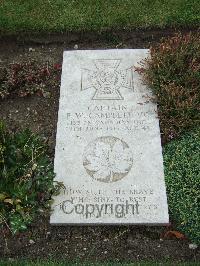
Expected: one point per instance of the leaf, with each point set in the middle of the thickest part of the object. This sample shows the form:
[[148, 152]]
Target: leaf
[[102, 149], [17, 201], [3, 196], [102, 174], [57, 66], [9, 201], [118, 148], [94, 163], [120, 158], [176, 234]]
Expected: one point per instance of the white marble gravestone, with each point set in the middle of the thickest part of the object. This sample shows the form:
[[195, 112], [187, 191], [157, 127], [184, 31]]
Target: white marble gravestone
[[108, 150]]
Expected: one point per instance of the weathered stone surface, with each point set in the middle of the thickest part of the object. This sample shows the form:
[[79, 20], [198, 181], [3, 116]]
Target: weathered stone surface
[[108, 151]]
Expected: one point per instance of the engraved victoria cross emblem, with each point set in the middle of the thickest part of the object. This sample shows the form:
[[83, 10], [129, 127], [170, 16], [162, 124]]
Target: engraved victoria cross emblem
[[107, 79]]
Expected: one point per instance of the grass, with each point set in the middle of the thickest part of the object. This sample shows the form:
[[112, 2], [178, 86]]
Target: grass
[[76, 15], [56, 263]]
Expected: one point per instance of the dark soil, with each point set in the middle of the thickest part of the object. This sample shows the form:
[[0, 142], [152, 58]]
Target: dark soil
[[105, 243]]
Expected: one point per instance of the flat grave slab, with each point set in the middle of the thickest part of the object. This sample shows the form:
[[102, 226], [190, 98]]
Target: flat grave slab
[[108, 148]]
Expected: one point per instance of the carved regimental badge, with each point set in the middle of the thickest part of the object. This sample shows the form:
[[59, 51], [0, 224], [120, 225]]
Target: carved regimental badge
[[107, 79], [107, 159]]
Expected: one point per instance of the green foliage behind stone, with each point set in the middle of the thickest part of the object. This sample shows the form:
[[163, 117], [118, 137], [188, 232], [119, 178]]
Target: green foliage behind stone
[[26, 178], [182, 173]]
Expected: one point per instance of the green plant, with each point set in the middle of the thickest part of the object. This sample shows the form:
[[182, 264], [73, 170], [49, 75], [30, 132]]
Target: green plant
[[72, 263], [26, 178], [62, 16], [173, 73], [28, 78], [182, 175]]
